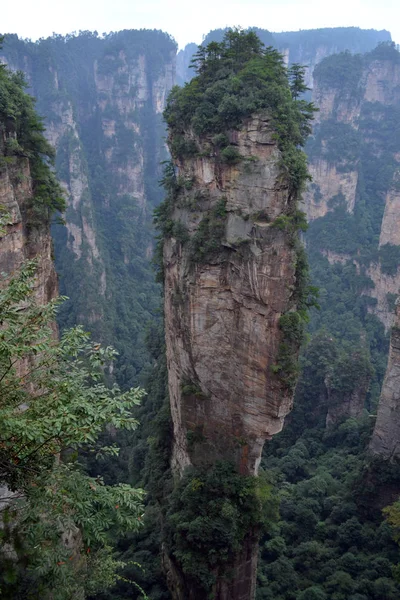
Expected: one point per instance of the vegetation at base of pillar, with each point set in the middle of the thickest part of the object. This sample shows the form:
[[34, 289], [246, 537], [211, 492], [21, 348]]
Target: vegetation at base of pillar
[[330, 542], [58, 523], [209, 516]]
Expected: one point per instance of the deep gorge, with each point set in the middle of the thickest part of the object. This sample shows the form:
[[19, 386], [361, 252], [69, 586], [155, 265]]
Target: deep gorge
[[103, 113]]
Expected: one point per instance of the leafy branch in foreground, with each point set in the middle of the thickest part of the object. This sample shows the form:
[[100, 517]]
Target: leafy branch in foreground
[[53, 403]]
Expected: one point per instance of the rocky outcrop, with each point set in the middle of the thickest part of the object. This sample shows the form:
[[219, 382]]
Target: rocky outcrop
[[222, 314], [385, 441], [348, 399], [230, 275], [383, 82], [25, 238], [390, 228], [346, 103], [385, 286], [328, 182]]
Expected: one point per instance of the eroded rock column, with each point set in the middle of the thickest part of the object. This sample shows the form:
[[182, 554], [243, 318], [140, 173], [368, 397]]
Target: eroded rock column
[[230, 269]]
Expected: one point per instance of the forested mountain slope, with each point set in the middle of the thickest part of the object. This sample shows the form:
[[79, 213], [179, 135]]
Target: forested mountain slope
[[102, 99], [353, 200]]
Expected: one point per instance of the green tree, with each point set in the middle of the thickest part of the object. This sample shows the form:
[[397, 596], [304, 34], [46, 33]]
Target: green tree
[[57, 521], [296, 74]]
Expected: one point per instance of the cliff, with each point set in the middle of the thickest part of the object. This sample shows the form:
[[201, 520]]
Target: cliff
[[29, 192], [24, 240], [347, 383], [236, 295], [222, 318], [352, 241], [222, 313], [103, 99], [385, 441]]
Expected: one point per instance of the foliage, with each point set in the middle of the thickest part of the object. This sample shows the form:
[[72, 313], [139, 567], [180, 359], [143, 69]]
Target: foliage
[[144, 460], [209, 234], [389, 258], [210, 514], [303, 45], [109, 281], [337, 143], [23, 131], [234, 79], [325, 545], [296, 75], [341, 72], [53, 402]]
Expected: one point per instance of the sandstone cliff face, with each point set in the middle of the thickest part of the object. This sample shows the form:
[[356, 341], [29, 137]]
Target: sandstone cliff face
[[222, 315], [103, 100], [378, 82], [390, 229], [328, 183], [25, 239], [385, 286], [385, 440], [352, 148], [382, 82], [345, 404]]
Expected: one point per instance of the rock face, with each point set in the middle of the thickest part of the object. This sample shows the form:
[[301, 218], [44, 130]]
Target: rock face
[[328, 183], [222, 312], [385, 440], [25, 238], [102, 99], [354, 163], [348, 402], [346, 104]]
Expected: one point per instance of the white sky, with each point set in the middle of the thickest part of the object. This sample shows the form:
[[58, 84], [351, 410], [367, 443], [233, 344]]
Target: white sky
[[189, 21]]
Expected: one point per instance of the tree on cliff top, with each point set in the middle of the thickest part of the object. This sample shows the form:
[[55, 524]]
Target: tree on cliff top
[[21, 135], [235, 79]]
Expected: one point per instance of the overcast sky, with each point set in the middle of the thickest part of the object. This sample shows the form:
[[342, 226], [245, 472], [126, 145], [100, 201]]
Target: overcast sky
[[189, 21]]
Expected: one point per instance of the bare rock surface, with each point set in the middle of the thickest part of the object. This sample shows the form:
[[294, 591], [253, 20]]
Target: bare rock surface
[[385, 440]]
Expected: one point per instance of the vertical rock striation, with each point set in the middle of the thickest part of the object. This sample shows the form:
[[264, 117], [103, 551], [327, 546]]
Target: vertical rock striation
[[225, 293], [385, 441], [26, 237], [222, 313], [236, 295], [102, 98]]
